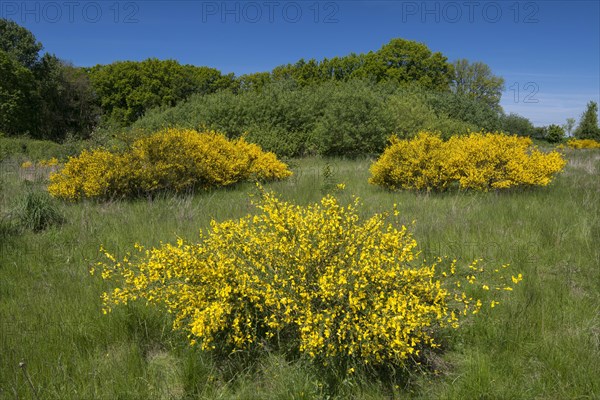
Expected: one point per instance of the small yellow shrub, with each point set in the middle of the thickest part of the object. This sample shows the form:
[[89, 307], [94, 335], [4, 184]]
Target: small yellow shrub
[[169, 160], [317, 280], [412, 164], [583, 144], [478, 161], [52, 162]]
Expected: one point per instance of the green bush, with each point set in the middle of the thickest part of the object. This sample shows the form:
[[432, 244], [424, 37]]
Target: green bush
[[38, 211], [412, 114], [36, 150], [354, 122], [555, 134], [516, 124]]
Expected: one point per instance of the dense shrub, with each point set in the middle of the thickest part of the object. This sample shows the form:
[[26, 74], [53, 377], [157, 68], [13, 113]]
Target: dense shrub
[[315, 280], [411, 113], [478, 161], [354, 121], [173, 159], [555, 133], [37, 149], [464, 108], [516, 124], [279, 118], [38, 211], [583, 144], [334, 118]]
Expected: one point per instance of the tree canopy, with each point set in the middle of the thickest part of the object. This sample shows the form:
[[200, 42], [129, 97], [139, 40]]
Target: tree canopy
[[588, 125], [127, 89], [476, 80]]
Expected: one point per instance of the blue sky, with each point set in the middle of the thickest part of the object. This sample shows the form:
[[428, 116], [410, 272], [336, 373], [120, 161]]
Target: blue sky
[[547, 51]]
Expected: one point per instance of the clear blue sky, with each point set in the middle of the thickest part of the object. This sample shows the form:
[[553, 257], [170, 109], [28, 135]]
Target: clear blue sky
[[547, 51]]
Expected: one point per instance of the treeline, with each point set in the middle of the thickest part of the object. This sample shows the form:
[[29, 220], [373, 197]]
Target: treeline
[[47, 98], [342, 105], [41, 95]]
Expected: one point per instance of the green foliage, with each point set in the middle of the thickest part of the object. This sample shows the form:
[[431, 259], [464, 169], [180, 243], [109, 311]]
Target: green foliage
[[335, 118], [400, 61], [18, 97], [277, 118], [69, 106], [127, 89], [41, 97], [38, 211], [19, 43], [476, 80], [256, 81], [555, 134], [588, 125], [408, 62], [516, 124], [412, 113], [354, 121], [35, 150]]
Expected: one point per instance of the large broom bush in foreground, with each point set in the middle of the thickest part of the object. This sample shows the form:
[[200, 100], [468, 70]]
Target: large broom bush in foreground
[[478, 161], [174, 159], [316, 281]]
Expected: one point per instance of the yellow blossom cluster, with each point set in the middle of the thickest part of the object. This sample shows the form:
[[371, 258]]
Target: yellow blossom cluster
[[316, 280], [173, 159], [52, 162], [583, 144], [479, 161]]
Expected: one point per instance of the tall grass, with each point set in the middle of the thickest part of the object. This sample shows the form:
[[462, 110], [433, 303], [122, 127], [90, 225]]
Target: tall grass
[[542, 342]]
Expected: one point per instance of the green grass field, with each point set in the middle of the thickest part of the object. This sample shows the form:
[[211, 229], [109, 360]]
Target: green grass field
[[542, 342]]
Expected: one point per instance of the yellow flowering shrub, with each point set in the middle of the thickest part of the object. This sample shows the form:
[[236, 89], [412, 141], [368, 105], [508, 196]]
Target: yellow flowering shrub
[[583, 144], [479, 161], [412, 164], [173, 159], [52, 162], [315, 280]]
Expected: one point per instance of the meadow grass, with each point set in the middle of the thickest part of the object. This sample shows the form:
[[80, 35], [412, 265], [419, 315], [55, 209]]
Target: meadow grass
[[542, 342]]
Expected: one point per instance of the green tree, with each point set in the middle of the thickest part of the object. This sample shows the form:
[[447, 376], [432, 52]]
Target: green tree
[[408, 62], [569, 125], [476, 80], [588, 125], [517, 125], [400, 61], [19, 99], [19, 43], [342, 68], [555, 134], [127, 89], [68, 106], [41, 96], [256, 81]]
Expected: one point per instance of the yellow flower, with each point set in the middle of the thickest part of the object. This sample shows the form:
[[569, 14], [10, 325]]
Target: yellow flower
[[336, 287], [173, 159], [479, 161]]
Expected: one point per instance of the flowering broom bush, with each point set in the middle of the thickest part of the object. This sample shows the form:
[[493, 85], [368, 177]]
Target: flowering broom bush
[[583, 144], [173, 159], [477, 161], [315, 280]]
